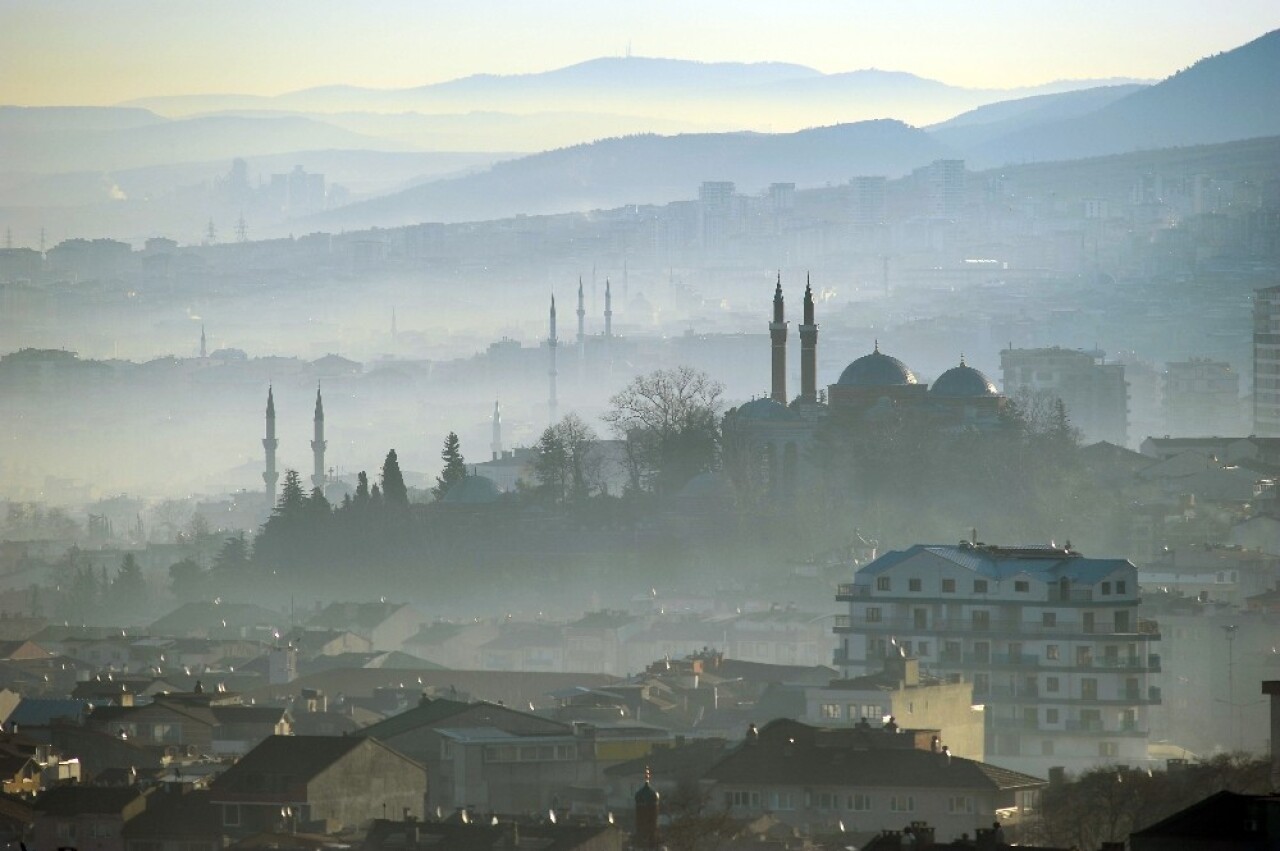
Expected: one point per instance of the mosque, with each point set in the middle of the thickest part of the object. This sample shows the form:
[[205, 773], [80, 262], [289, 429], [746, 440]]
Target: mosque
[[875, 385]]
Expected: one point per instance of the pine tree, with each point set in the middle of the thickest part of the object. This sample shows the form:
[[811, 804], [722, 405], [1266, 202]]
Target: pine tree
[[292, 498], [362, 489], [394, 491], [233, 557], [455, 466], [129, 588]]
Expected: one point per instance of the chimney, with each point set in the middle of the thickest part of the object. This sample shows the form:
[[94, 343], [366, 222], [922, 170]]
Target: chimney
[[1272, 689]]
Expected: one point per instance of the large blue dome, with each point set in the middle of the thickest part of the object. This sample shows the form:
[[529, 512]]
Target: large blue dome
[[876, 370], [963, 382]]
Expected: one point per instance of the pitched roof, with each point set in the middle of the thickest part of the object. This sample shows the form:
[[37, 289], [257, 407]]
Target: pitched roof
[[302, 757], [431, 713], [78, 800], [39, 711], [1222, 816], [791, 753], [1045, 562]]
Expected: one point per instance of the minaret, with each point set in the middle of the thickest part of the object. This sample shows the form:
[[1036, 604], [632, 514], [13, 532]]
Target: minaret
[[608, 310], [318, 445], [204, 352], [778, 335], [495, 446], [808, 350], [269, 444], [551, 373], [582, 318]]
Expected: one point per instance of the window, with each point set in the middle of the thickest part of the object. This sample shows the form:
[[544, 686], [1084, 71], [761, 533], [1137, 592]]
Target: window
[[982, 619], [960, 804], [1106, 589], [1084, 656], [902, 803], [1051, 684], [1051, 716], [66, 830], [882, 583], [742, 798], [948, 586], [873, 614], [830, 711], [981, 683], [858, 802], [914, 585], [1021, 586], [1089, 688], [922, 649], [231, 815], [979, 586], [1121, 587], [1051, 651], [873, 712], [1048, 618], [1108, 749], [824, 801], [981, 651], [782, 801]]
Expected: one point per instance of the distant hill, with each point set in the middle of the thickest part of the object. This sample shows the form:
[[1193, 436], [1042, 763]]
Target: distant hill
[[722, 95], [1222, 98], [981, 125], [649, 170]]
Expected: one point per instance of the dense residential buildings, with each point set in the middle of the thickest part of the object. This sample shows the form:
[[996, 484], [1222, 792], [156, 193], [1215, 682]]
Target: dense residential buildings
[[1050, 639], [1201, 396]]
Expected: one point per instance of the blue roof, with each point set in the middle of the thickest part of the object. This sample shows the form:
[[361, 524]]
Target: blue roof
[[40, 711], [1045, 563]]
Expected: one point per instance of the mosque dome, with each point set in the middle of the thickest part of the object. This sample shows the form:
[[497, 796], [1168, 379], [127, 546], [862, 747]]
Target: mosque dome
[[765, 409], [963, 382], [876, 370]]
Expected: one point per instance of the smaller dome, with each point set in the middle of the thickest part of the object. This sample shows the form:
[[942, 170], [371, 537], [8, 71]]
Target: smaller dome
[[876, 370], [963, 382], [765, 409], [472, 490]]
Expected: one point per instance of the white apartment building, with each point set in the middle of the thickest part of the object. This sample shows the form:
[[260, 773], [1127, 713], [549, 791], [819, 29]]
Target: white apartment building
[[1050, 640], [1266, 362]]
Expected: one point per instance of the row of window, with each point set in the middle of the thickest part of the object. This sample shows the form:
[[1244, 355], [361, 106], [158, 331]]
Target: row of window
[[529, 753], [981, 586], [872, 712], [857, 802]]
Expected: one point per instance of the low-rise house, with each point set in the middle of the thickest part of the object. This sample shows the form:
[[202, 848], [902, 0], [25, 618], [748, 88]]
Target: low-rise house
[[867, 780], [342, 782], [525, 647], [85, 817], [454, 645], [458, 835], [206, 723], [219, 620], [386, 625]]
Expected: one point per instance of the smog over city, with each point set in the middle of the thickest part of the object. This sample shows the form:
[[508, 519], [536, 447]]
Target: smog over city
[[600, 426]]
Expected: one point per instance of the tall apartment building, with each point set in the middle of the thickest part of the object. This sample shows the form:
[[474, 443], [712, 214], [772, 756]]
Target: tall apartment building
[[1266, 362], [1051, 641], [1094, 391], [716, 200], [867, 200]]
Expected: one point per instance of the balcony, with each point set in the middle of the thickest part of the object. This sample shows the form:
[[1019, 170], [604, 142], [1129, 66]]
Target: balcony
[[840, 657], [1147, 629], [847, 591]]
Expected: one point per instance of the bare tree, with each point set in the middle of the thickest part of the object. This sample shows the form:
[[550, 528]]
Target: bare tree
[[669, 421]]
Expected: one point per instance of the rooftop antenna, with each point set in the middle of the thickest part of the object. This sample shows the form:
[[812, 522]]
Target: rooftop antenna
[[242, 230], [628, 48]]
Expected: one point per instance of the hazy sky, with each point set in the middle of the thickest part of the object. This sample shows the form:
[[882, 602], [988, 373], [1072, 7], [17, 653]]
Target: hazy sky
[[61, 52]]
